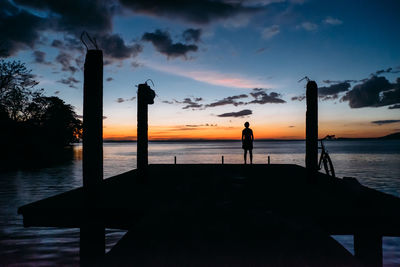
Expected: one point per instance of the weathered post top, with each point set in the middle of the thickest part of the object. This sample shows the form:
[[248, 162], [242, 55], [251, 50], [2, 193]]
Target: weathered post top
[[145, 97], [312, 129]]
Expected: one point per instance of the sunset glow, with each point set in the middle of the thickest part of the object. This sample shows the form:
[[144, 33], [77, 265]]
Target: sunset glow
[[222, 70]]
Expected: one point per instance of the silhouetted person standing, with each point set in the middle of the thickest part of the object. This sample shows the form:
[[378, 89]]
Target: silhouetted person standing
[[247, 141]]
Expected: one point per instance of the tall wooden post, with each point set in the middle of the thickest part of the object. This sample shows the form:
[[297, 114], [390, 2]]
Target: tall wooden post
[[145, 97], [368, 248], [312, 130], [92, 232]]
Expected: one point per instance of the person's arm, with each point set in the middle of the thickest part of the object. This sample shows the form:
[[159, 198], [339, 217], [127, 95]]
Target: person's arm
[[242, 135], [252, 136]]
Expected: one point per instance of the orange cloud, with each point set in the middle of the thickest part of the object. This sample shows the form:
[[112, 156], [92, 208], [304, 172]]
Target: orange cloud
[[212, 77]]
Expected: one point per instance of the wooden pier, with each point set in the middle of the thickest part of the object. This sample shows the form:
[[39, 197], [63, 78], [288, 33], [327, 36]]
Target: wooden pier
[[197, 215], [213, 215]]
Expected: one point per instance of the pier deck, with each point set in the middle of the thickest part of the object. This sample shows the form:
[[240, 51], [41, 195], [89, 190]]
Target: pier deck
[[226, 212]]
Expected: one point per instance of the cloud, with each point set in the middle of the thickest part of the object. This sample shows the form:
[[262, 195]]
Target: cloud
[[298, 98], [332, 21], [383, 71], [19, 29], [57, 44], [261, 50], [259, 95], [242, 113], [230, 100], [381, 122], [308, 26], [345, 81], [56, 92], [75, 16], [70, 81], [211, 77], [109, 79], [201, 125], [271, 31], [135, 64], [65, 60], [291, 126], [23, 21], [69, 17], [332, 92], [192, 35], [262, 97], [374, 92], [191, 103], [40, 57], [196, 11], [162, 41], [114, 47], [121, 100]]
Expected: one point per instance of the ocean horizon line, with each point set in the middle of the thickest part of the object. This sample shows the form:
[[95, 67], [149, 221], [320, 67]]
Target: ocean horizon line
[[238, 140], [393, 136]]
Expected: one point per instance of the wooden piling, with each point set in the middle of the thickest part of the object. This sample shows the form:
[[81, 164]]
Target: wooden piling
[[368, 249], [269, 160], [222, 159], [93, 120], [92, 235], [175, 160], [145, 97], [312, 129]]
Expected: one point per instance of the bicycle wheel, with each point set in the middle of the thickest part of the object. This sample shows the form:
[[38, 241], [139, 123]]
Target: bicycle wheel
[[328, 166]]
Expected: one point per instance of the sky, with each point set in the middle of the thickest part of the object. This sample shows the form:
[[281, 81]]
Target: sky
[[216, 64]]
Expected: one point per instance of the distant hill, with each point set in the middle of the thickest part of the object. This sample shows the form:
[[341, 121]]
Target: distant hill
[[393, 136]]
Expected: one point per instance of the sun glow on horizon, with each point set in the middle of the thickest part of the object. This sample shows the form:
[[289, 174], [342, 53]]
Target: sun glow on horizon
[[214, 132]]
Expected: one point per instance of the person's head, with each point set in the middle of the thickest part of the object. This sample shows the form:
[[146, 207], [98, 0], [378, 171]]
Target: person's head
[[246, 124]]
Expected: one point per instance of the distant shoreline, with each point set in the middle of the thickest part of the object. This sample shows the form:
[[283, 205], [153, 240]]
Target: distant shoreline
[[395, 136]]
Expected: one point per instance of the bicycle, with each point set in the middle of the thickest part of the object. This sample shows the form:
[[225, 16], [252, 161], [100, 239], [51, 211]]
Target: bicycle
[[325, 160]]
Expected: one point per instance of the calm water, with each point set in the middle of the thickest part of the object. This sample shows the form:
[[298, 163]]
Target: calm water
[[374, 163]]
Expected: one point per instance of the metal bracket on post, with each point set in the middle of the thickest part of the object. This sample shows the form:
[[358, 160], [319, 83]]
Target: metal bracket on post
[[145, 96]]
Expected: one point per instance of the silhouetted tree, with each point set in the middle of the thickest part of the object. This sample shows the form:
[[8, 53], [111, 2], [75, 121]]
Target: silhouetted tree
[[31, 123], [59, 121], [17, 89]]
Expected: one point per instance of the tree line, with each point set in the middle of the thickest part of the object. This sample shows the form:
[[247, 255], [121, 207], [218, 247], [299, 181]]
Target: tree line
[[33, 126]]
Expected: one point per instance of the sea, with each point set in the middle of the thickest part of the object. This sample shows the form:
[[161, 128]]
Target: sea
[[374, 163]]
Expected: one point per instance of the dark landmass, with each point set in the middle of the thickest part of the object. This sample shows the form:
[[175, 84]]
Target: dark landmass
[[393, 136]]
